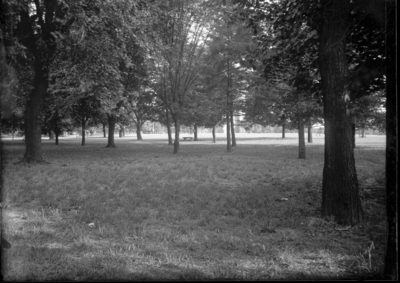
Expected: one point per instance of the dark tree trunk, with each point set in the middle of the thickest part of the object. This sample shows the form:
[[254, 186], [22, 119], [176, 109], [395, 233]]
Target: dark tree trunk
[[51, 135], [169, 128], [34, 109], [353, 132], [228, 133], [213, 134], [300, 125], [302, 143], [139, 130], [391, 257], [111, 129], [233, 129], [309, 132], [83, 121], [56, 131], [195, 132], [340, 192], [176, 142], [283, 130], [104, 131], [363, 132]]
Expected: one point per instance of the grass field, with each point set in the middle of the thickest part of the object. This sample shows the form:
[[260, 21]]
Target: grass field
[[138, 212]]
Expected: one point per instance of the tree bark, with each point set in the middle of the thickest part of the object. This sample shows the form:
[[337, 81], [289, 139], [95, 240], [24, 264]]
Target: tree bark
[[177, 129], [309, 132], [56, 131], [233, 129], [83, 123], [213, 134], [104, 130], [195, 132], [139, 131], [302, 144], [34, 109], [168, 128], [228, 133], [340, 192], [391, 257], [353, 132], [111, 129]]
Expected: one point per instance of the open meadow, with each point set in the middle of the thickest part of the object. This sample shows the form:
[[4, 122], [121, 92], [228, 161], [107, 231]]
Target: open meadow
[[139, 212]]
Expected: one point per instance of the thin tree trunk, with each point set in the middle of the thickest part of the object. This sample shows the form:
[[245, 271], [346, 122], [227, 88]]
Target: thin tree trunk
[[176, 142], [233, 129], [228, 98], [213, 134], [302, 144], [391, 257], [283, 130], [195, 132], [340, 192], [111, 129], [309, 132], [56, 132], [104, 130], [83, 122], [353, 132], [138, 130], [228, 133], [168, 127], [51, 135]]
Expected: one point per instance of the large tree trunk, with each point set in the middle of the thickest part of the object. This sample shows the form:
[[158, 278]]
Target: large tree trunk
[[195, 132], [34, 109], [83, 122], [168, 127], [177, 129], [233, 129], [340, 193], [391, 257], [111, 129], [139, 130], [213, 134]]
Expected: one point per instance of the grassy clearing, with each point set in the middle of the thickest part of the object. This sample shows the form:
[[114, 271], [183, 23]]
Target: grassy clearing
[[139, 212]]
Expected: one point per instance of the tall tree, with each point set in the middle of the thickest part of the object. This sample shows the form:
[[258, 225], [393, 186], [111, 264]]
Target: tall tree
[[180, 37], [391, 257], [340, 192], [33, 28]]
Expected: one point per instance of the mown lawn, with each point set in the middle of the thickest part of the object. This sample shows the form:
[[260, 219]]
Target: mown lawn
[[138, 212]]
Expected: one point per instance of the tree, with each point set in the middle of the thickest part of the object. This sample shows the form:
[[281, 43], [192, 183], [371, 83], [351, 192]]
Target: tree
[[340, 192], [180, 37], [391, 257], [33, 28]]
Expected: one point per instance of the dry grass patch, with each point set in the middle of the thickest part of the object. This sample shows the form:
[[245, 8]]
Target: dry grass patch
[[138, 212]]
